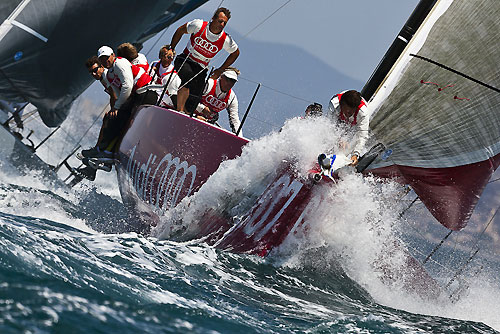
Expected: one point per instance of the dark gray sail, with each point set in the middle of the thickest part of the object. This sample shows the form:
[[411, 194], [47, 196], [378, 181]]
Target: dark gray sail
[[44, 44]]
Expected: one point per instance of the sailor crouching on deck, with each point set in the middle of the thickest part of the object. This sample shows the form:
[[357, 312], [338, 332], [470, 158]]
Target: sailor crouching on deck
[[163, 72], [207, 39], [98, 72], [219, 95], [125, 79], [350, 108]]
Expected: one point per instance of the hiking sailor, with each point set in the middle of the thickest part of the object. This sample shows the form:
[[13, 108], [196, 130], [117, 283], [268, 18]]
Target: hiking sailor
[[350, 108], [207, 39], [98, 72], [161, 70], [217, 96], [129, 52], [126, 80]]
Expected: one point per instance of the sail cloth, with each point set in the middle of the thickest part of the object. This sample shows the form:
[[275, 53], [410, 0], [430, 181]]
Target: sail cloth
[[437, 111]]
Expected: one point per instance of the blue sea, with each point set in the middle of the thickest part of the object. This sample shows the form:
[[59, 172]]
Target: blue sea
[[64, 269]]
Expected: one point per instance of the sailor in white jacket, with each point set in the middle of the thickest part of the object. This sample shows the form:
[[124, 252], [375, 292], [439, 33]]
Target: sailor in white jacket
[[350, 108]]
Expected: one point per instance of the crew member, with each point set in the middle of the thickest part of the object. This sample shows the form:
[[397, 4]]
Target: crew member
[[162, 71], [207, 39], [350, 108], [219, 95], [125, 79], [129, 52], [98, 72], [314, 110]]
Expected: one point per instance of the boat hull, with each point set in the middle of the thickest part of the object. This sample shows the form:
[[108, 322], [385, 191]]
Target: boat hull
[[166, 156]]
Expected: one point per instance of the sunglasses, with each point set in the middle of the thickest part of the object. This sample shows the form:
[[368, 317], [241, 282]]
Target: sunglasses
[[94, 70]]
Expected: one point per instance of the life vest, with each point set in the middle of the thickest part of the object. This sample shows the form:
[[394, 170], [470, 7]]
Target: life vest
[[159, 77], [213, 102], [140, 77], [343, 118], [144, 66], [141, 61], [202, 50]]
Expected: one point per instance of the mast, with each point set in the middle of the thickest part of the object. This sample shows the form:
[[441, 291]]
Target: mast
[[405, 35]]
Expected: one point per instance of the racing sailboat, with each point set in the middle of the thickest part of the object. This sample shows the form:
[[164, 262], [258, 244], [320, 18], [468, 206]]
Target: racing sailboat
[[433, 97]]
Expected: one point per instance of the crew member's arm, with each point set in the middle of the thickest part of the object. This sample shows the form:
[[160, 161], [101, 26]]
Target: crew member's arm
[[232, 111], [229, 61], [124, 71], [178, 35], [201, 108], [334, 107], [112, 96], [361, 133]]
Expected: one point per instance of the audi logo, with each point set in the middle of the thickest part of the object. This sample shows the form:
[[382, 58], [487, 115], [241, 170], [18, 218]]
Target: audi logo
[[176, 179], [215, 102], [205, 45]]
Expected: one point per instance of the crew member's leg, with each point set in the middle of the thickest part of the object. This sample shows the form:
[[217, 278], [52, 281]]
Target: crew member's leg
[[185, 71], [196, 86], [182, 96]]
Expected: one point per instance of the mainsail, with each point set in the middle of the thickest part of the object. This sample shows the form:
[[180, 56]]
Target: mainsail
[[437, 109]]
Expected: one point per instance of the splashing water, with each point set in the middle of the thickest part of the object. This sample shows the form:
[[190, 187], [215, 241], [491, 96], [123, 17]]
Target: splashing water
[[59, 275]]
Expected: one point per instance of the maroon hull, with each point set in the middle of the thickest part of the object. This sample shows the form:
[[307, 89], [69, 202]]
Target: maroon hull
[[166, 156], [281, 208]]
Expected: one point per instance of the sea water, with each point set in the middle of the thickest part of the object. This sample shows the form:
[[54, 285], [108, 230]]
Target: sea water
[[63, 270]]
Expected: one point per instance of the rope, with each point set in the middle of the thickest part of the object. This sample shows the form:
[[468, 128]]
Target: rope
[[91, 125], [494, 181], [486, 227], [157, 40], [276, 90], [258, 25]]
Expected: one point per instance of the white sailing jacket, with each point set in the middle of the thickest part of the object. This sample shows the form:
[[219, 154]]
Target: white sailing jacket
[[125, 78], [162, 74], [359, 121]]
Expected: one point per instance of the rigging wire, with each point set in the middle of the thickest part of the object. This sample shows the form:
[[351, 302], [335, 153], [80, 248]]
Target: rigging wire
[[494, 181], [267, 18], [157, 40], [276, 90]]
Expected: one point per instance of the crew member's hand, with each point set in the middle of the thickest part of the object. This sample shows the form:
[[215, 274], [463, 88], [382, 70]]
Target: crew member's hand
[[206, 112], [112, 113], [217, 73], [354, 159]]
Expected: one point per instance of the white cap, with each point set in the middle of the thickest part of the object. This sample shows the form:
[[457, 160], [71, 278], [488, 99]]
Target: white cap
[[230, 74], [104, 51]]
